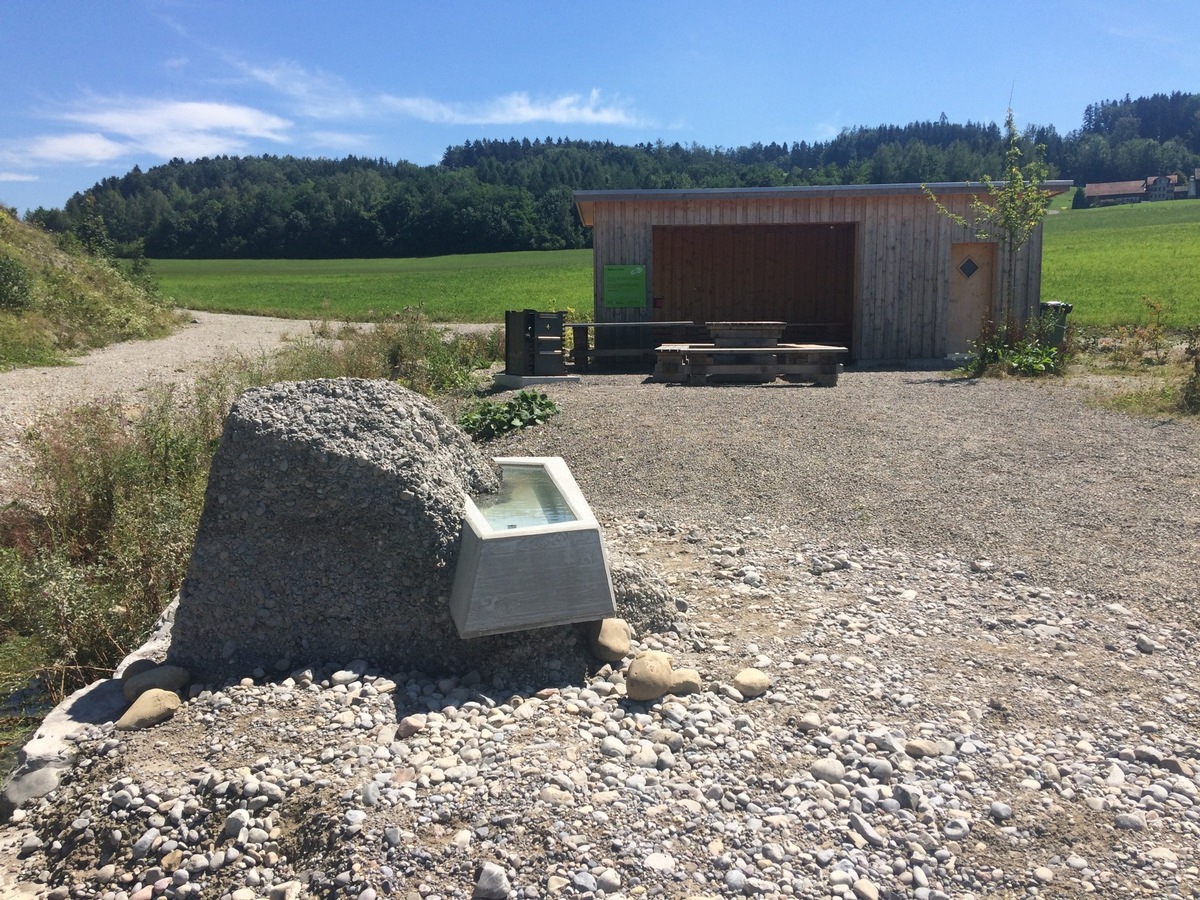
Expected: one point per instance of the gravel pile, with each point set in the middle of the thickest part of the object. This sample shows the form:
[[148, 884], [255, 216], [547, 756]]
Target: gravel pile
[[330, 521]]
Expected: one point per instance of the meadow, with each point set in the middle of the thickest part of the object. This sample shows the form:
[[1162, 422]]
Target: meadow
[[1103, 261], [470, 288]]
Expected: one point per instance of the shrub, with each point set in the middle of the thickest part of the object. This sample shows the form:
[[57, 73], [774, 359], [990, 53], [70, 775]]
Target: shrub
[[1008, 349], [405, 348], [120, 496], [1189, 394], [16, 287], [488, 419]]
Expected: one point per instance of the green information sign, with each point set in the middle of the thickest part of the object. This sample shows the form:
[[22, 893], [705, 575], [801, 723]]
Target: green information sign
[[624, 287]]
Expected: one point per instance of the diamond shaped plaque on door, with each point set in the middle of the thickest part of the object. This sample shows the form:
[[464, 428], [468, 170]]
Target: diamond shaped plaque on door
[[968, 267]]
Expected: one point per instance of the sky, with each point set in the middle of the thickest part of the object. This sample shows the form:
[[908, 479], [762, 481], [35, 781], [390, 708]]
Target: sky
[[89, 89]]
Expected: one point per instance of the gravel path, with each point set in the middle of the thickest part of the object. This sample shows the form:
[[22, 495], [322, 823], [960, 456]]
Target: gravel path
[[125, 369], [1022, 471]]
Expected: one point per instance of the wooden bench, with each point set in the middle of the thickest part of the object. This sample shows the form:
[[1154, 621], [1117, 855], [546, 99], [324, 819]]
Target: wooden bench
[[630, 340], [696, 363]]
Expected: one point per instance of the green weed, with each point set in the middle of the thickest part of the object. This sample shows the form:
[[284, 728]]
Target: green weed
[[488, 419], [1008, 348]]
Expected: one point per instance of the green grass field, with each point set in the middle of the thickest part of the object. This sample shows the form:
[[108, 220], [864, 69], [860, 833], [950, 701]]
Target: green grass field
[[476, 288], [1104, 261]]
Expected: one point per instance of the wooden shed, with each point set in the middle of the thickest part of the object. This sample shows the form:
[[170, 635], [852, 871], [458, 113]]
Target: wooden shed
[[873, 267]]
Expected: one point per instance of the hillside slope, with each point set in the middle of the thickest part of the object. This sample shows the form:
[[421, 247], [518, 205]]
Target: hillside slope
[[56, 300]]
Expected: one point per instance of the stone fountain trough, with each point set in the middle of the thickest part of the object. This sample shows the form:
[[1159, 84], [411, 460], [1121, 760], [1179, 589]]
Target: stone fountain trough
[[531, 555]]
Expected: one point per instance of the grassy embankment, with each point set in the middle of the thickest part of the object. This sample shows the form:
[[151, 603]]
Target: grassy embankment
[[57, 301]]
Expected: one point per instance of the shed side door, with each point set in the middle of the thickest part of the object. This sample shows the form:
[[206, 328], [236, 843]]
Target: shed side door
[[972, 280]]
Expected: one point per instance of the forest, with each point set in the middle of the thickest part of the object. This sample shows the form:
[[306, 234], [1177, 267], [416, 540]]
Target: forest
[[496, 195]]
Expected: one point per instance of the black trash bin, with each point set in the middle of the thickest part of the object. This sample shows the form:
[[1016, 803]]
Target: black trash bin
[[1054, 317]]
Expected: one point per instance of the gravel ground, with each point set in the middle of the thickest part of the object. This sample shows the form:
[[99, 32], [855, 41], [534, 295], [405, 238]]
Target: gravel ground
[[973, 603], [1023, 471]]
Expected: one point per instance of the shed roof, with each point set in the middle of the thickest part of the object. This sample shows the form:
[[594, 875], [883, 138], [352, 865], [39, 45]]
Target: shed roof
[[586, 200], [1115, 188]]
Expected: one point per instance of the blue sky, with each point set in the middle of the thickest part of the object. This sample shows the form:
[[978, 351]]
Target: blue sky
[[88, 88]]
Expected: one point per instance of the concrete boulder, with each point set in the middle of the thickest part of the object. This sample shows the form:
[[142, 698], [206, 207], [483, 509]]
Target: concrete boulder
[[331, 529]]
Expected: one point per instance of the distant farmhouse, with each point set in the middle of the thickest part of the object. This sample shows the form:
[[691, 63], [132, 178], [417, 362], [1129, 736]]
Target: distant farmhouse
[[1156, 187]]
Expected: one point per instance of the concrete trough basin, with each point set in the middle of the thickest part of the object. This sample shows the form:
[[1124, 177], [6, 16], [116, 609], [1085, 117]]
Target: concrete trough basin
[[531, 555]]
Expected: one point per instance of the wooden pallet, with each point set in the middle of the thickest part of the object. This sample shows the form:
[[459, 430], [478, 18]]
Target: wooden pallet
[[705, 363]]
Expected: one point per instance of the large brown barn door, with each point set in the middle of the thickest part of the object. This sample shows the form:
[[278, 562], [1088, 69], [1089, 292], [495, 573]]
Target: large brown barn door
[[972, 280], [802, 274]]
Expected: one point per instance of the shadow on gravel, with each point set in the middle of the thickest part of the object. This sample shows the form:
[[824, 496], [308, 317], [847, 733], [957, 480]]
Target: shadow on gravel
[[945, 381]]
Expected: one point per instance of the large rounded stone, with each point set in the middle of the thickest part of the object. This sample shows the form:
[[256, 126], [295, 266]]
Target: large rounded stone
[[921, 747], [610, 639], [649, 676], [151, 708], [166, 678], [751, 682], [136, 667], [829, 770], [685, 681]]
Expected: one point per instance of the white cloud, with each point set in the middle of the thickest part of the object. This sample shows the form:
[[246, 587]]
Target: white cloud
[[120, 129], [340, 140], [17, 176], [516, 109], [317, 95], [81, 147], [154, 121], [162, 128]]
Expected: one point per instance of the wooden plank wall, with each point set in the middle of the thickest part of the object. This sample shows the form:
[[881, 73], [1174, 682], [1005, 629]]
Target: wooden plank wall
[[901, 272]]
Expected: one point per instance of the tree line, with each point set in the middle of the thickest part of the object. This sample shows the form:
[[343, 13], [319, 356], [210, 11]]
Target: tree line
[[496, 195]]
